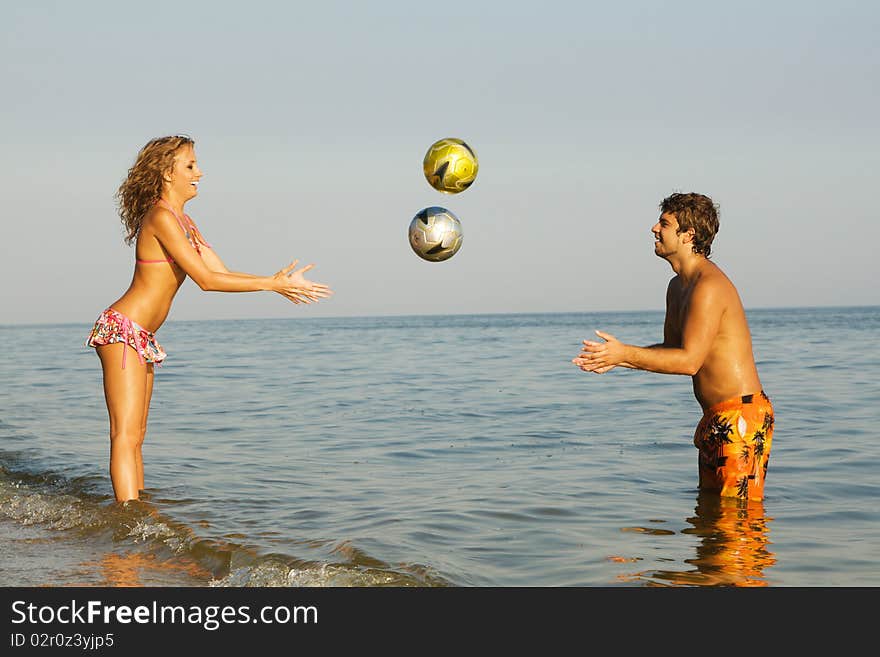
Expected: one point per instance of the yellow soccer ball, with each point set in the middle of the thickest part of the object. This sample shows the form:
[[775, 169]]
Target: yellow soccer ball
[[450, 165]]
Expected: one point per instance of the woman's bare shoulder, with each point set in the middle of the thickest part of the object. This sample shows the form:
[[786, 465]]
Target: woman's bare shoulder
[[158, 218]]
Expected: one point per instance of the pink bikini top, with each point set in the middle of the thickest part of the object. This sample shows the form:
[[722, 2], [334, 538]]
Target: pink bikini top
[[193, 235]]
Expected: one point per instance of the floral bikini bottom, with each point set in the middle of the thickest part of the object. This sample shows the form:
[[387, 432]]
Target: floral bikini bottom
[[113, 326]]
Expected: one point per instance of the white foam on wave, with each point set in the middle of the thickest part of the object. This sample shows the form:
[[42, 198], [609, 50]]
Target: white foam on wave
[[273, 573], [53, 510], [50, 506]]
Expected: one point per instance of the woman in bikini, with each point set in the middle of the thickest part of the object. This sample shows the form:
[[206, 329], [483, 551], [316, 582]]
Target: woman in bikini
[[168, 248]]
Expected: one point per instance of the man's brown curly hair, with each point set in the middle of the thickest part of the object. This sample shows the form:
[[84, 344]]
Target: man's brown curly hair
[[143, 186], [694, 211]]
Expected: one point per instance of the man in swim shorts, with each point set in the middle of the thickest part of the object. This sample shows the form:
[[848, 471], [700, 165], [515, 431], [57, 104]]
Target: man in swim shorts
[[705, 336]]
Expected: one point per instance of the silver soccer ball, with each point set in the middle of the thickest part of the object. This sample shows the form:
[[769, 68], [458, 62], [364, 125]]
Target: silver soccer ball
[[435, 234]]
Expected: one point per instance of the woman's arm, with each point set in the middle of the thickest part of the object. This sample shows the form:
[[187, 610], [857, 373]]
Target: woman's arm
[[212, 259], [203, 269]]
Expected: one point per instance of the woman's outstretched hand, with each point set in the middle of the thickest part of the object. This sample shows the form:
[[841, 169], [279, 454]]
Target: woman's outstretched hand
[[290, 283]]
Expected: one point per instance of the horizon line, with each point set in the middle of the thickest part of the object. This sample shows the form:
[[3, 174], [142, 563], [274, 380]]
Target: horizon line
[[461, 314]]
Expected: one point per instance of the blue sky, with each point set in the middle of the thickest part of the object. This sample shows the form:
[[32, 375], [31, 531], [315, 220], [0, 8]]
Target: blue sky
[[311, 121]]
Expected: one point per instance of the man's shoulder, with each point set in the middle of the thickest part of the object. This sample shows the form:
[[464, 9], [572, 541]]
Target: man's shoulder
[[713, 275], [714, 283]]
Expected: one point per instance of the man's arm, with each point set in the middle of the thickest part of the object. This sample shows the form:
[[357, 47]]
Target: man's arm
[[670, 335], [700, 326]]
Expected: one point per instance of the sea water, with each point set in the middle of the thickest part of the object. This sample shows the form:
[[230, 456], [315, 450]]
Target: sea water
[[461, 450]]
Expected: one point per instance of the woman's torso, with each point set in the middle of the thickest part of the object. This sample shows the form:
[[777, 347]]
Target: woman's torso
[[155, 281]]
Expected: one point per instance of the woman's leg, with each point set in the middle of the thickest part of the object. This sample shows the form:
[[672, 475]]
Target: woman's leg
[[125, 391], [147, 397]]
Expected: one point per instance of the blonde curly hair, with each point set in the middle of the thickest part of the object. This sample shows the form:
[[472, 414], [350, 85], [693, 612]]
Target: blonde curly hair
[[142, 186]]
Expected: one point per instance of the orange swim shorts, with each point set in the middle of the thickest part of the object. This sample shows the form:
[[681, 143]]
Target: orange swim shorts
[[734, 439]]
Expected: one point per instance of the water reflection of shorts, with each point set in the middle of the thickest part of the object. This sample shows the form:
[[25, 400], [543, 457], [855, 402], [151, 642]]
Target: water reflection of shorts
[[113, 326], [734, 439]]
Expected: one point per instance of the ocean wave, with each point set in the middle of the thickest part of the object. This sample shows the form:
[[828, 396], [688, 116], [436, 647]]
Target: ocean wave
[[68, 506]]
